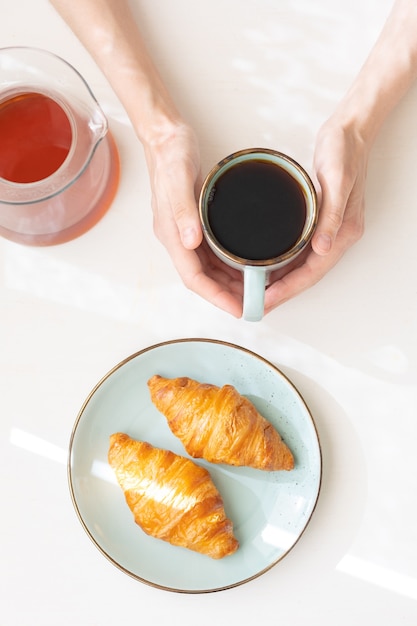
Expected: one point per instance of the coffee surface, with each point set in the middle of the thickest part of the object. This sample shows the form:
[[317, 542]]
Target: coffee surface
[[257, 210]]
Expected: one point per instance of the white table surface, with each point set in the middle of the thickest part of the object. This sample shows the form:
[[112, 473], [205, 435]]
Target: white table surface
[[245, 73]]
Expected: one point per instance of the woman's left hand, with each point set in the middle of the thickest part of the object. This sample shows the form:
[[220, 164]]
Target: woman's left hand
[[340, 168]]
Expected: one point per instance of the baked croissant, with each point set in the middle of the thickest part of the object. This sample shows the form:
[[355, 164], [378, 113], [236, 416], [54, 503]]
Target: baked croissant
[[171, 497], [218, 424]]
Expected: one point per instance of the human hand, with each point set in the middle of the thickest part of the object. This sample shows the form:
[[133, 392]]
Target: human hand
[[174, 168], [340, 168]]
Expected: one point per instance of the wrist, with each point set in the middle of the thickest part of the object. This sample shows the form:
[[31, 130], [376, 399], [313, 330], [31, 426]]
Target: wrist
[[360, 114], [387, 74], [155, 120]]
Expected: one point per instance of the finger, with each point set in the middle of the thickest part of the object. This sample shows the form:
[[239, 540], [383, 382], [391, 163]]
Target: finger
[[218, 287], [301, 278], [221, 273], [184, 209], [217, 294], [210, 280], [334, 198]]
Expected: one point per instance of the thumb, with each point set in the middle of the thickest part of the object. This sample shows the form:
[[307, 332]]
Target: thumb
[[330, 220], [188, 224], [185, 213], [322, 242], [191, 236]]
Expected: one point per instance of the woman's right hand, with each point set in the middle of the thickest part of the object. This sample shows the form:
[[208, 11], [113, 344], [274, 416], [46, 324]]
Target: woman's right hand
[[173, 160]]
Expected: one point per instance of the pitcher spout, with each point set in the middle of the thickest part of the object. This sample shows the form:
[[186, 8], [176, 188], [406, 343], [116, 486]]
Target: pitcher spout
[[98, 124]]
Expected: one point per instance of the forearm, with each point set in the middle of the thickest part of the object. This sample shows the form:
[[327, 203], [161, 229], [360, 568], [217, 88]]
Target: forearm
[[108, 31], [387, 74]]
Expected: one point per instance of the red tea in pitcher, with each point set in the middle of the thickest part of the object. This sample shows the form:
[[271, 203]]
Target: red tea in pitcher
[[35, 137], [59, 164]]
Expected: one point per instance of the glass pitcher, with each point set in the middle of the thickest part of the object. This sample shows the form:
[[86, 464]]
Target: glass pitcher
[[59, 165]]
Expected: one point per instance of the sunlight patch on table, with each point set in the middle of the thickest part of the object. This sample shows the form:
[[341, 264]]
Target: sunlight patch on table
[[380, 576], [37, 445], [39, 274]]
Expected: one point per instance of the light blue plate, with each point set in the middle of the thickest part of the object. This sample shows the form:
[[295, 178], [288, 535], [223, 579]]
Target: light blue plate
[[269, 510]]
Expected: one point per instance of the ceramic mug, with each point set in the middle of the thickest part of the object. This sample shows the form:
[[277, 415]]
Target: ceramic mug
[[258, 209]]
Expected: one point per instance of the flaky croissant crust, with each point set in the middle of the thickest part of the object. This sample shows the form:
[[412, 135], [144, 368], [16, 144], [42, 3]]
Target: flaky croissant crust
[[218, 424], [171, 497]]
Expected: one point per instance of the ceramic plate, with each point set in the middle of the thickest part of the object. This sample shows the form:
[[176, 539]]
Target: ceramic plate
[[269, 510]]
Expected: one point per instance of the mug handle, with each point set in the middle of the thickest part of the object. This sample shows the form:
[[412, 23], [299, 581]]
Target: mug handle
[[254, 279]]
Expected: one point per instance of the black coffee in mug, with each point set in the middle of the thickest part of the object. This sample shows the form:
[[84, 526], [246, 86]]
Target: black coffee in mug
[[256, 210]]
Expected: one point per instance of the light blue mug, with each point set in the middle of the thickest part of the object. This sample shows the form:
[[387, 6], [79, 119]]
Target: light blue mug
[[238, 184]]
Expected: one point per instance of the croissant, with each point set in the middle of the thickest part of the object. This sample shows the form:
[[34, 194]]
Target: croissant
[[218, 424], [171, 497]]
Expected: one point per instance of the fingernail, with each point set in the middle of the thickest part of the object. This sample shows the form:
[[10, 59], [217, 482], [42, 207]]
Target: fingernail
[[323, 243], [188, 236]]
